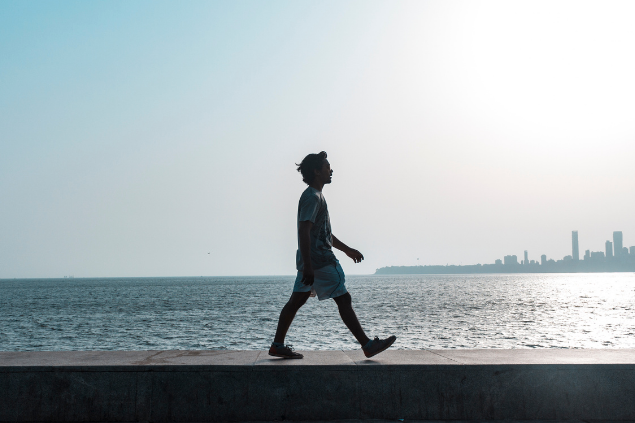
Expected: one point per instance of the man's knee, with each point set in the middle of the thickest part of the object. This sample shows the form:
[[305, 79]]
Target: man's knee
[[297, 300], [344, 300]]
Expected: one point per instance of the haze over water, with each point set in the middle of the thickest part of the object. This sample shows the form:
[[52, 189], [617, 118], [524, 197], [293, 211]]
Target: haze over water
[[238, 313]]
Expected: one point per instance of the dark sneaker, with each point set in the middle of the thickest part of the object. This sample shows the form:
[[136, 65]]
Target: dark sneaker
[[285, 351], [378, 345]]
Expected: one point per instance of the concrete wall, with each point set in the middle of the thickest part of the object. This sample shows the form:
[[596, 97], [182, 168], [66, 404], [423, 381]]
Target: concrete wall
[[188, 386]]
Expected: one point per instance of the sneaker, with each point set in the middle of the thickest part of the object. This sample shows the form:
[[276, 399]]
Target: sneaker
[[377, 345], [285, 351]]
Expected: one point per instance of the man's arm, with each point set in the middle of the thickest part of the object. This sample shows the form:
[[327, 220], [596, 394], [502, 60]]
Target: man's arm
[[304, 234], [351, 252]]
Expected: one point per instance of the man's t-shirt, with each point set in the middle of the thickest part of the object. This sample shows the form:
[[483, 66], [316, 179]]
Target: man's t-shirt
[[312, 207]]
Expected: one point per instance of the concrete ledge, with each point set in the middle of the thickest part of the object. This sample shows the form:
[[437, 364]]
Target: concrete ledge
[[188, 386]]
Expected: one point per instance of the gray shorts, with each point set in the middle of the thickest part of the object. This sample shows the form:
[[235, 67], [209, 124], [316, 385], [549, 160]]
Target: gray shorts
[[329, 282]]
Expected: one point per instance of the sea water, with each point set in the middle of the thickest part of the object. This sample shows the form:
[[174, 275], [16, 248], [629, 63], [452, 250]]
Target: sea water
[[241, 313]]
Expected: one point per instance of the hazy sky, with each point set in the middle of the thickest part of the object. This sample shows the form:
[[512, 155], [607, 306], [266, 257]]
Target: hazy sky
[[144, 138]]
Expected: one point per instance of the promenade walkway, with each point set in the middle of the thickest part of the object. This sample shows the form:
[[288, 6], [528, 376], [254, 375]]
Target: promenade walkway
[[189, 386]]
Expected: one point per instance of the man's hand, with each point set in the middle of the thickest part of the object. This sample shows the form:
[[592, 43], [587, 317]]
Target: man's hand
[[355, 255], [308, 277], [351, 252]]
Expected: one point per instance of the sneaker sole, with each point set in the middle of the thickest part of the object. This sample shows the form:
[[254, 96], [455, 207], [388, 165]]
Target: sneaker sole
[[286, 356], [382, 350]]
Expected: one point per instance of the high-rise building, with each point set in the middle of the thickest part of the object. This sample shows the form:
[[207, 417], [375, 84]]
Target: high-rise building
[[574, 241], [526, 262], [617, 243], [633, 250], [587, 254], [510, 260], [597, 255], [608, 245], [543, 259]]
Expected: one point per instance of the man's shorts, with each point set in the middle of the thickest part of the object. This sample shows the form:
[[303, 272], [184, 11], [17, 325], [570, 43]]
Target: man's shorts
[[328, 283]]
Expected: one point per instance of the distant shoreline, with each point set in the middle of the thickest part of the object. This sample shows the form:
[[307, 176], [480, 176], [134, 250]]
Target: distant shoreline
[[558, 267]]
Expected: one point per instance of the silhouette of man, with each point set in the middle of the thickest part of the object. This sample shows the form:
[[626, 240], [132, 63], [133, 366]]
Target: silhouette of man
[[319, 272]]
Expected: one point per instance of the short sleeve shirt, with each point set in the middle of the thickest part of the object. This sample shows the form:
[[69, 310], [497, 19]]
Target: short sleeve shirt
[[312, 207]]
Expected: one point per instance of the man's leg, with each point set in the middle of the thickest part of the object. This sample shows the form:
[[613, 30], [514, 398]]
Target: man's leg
[[287, 314], [345, 306]]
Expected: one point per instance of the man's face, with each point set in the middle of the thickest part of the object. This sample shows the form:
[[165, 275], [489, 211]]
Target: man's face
[[324, 174]]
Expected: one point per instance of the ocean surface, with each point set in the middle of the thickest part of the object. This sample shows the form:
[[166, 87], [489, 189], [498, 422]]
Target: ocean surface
[[239, 313]]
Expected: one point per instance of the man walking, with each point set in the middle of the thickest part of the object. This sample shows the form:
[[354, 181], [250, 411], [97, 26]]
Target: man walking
[[319, 272]]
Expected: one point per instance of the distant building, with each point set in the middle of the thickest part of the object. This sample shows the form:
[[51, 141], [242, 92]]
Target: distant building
[[624, 251], [510, 260], [498, 262], [574, 246], [617, 243], [567, 258], [526, 261], [608, 247], [587, 254], [633, 250], [597, 255], [543, 260]]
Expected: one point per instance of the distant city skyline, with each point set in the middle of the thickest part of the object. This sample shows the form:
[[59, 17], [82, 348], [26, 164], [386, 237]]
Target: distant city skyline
[[593, 261], [612, 250]]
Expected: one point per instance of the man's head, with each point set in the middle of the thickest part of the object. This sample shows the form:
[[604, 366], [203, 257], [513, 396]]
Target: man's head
[[315, 166]]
